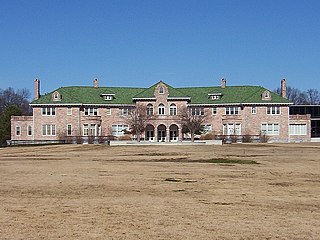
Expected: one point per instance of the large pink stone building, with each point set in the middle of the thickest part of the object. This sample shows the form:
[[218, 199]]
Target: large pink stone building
[[102, 111]]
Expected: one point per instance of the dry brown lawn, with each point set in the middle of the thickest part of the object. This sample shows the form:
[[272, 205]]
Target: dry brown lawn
[[160, 192]]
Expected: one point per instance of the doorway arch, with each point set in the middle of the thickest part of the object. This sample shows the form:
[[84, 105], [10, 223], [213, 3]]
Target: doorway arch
[[174, 133], [150, 133], [162, 133]]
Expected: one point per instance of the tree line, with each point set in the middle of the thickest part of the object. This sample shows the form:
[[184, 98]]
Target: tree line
[[12, 103], [298, 97]]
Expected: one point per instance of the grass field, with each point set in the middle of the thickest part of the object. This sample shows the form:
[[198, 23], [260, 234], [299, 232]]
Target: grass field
[[237, 191]]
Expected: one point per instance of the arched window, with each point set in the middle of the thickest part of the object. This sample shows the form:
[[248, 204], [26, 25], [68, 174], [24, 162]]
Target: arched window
[[161, 109], [161, 90], [173, 109], [149, 109]]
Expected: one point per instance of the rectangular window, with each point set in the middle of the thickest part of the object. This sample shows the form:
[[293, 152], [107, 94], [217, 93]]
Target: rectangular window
[[18, 130], [69, 111], [206, 128], [118, 130], [48, 111], [91, 111], [232, 129], [254, 110], [29, 131], [298, 129], [85, 129], [93, 130], [197, 111], [273, 110], [69, 129], [232, 110], [214, 111], [108, 110], [125, 111], [48, 130], [270, 128]]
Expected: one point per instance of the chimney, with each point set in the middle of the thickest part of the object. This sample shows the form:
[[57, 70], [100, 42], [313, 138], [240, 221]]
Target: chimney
[[36, 89], [283, 88], [223, 83], [95, 83]]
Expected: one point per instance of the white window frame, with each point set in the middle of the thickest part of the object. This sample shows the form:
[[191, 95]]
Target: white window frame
[[108, 110], [253, 110], [18, 130], [125, 111], [49, 130], [69, 129], [161, 109], [197, 111], [298, 129], [29, 130], [173, 109], [270, 128], [273, 110], [231, 129], [91, 111], [233, 110], [149, 109], [207, 128], [48, 111], [85, 129], [161, 90], [69, 111], [117, 129], [108, 97]]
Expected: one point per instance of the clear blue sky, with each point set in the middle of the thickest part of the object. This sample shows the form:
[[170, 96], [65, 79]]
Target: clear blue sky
[[139, 42]]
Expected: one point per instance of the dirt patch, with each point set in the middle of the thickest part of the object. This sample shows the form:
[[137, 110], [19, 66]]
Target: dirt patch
[[160, 192]]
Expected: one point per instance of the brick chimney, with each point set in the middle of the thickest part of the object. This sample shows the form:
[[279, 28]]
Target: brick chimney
[[95, 83], [36, 89], [223, 83], [283, 88]]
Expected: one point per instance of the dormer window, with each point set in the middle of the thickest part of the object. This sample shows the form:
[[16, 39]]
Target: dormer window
[[161, 90], [108, 97], [215, 96], [266, 95], [56, 96]]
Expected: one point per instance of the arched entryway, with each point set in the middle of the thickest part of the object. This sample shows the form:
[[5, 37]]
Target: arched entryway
[[174, 133], [150, 133], [162, 133]]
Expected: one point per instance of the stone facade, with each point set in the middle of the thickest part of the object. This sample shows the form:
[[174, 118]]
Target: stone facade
[[56, 118]]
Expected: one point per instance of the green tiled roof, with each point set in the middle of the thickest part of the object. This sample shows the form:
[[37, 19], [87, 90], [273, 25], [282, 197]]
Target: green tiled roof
[[125, 95], [149, 92], [230, 94], [90, 95]]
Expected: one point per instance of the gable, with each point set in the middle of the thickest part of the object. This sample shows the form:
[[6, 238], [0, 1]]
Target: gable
[[127, 95]]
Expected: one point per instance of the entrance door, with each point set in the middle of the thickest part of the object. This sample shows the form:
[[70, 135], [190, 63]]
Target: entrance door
[[150, 133], [161, 133], [173, 133]]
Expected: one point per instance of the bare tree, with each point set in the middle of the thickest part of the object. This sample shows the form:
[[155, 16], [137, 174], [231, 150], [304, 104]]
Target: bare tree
[[312, 96], [136, 119], [19, 98], [293, 95], [192, 120]]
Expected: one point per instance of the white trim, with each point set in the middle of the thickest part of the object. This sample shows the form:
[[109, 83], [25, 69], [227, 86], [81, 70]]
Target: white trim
[[234, 104], [179, 98], [144, 99]]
